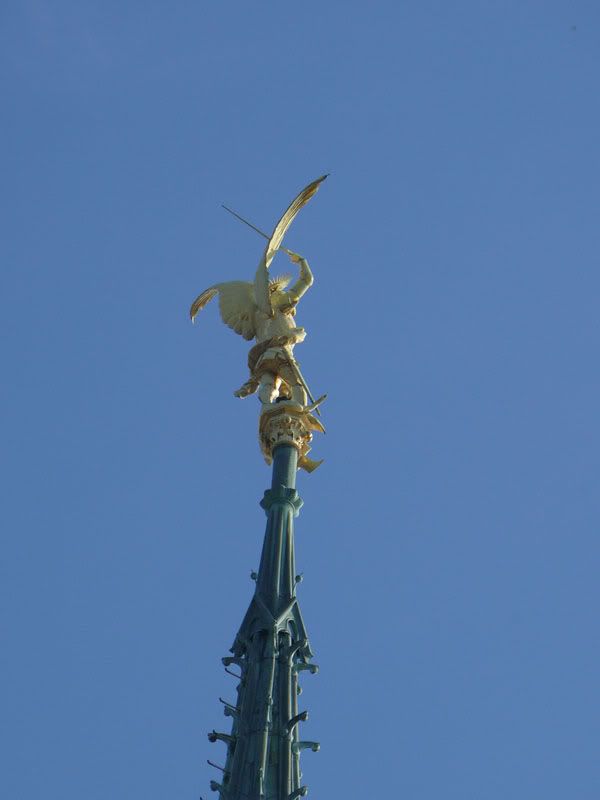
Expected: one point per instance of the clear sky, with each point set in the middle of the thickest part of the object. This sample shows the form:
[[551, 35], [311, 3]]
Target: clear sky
[[450, 542]]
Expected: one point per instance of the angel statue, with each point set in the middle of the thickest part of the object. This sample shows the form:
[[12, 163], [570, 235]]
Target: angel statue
[[265, 310]]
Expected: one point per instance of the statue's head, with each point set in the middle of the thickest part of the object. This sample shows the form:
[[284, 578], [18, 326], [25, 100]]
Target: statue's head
[[278, 284]]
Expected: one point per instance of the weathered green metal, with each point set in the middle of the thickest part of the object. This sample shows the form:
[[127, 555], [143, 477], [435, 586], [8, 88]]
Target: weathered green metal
[[270, 650]]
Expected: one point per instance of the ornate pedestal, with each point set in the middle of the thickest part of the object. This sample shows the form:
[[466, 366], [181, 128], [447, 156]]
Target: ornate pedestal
[[291, 424]]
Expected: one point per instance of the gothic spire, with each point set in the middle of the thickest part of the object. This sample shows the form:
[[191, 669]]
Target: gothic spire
[[270, 651]]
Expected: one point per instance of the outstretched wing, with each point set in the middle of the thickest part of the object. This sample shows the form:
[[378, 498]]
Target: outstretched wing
[[261, 280], [236, 303], [202, 300], [239, 300], [288, 217]]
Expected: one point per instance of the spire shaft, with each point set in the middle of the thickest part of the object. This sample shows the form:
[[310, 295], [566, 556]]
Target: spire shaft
[[285, 464], [263, 761]]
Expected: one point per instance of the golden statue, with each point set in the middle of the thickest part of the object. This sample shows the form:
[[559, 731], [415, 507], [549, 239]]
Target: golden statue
[[265, 310]]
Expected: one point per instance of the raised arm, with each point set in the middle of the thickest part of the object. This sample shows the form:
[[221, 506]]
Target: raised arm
[[305, 279]]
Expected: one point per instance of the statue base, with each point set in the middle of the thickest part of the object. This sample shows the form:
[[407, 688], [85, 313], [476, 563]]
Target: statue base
[[289, 423]]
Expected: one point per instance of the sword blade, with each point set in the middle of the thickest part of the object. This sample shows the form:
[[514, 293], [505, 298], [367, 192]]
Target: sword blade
[[300, 376], [245, 221], [250, 225]]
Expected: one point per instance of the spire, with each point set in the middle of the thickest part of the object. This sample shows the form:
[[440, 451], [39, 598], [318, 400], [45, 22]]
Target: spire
[[271, 648]]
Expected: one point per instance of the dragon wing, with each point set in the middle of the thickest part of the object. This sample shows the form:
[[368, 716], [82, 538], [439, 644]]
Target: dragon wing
[[236, 303]]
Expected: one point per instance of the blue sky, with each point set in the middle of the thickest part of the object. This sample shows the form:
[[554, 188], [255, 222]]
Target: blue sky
[[450, 541]]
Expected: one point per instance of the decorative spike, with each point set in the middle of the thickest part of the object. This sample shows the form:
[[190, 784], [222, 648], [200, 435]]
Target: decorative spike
[[235, 675], [297, 747], [213, 736], [229, 710], [301, 792], [227, 661], [312, 668], [301, 717]]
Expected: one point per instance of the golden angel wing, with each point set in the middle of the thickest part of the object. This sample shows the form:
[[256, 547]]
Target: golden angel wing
[[202, 300], [288, 217], [261, 281], [236, 303]]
